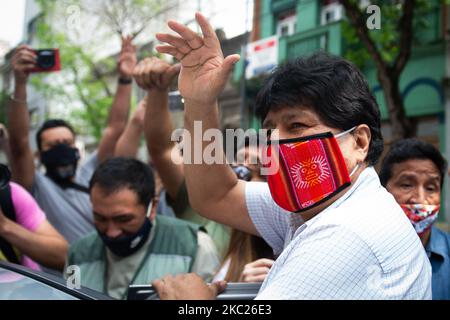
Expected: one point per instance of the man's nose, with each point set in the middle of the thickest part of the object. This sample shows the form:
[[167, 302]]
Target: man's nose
[[113, 231], [419, 196]]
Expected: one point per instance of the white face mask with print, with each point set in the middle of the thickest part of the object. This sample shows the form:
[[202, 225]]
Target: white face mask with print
[[422, 216]]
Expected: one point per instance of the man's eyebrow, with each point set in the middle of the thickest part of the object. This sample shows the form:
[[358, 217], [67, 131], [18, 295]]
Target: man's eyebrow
[[406, 175], [411, 174], [298, 112], [123, 215], [115, 218], [267, 124], [290, 116], [435, 177]]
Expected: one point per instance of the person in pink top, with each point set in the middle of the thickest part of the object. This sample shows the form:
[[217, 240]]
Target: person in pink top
[[31, 236]]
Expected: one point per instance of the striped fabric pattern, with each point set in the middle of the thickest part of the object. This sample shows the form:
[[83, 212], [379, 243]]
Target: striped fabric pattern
[[360, 247]]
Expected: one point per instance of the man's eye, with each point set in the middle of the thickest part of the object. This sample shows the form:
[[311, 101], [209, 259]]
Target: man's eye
[[99, 219], [431, 188], [123, 220], [405, 185], [297, 125]]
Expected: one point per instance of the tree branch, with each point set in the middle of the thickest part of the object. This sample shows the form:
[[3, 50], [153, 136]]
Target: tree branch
[[145, 25], [96, 72], [406, 36], [79, 89], [359, 23]]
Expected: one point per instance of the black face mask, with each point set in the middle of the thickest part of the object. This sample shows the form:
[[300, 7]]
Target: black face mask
[[61, 162], [125, 246]]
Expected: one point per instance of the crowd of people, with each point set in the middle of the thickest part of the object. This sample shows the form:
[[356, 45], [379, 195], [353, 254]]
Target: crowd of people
[[319, 227]]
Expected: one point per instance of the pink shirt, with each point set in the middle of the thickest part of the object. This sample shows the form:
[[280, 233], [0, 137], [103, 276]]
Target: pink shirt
[[28, 214]]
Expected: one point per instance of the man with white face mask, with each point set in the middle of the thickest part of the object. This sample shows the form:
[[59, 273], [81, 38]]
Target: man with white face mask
[[339, 236], [414, 171]]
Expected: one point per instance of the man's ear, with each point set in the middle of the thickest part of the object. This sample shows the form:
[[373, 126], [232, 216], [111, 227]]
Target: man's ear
[[363, 137], [155, 202]]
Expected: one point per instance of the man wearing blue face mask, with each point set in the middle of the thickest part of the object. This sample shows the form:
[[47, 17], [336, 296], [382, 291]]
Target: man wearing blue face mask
[[339, 234], [132, 244], [414, 171]]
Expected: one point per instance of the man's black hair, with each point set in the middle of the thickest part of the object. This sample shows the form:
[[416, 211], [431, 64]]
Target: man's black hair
[[50, 124], [117, 174], [411, 149], [332, 87]]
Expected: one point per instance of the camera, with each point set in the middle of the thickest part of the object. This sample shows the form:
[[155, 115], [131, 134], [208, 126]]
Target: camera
[[5, 176], [47, 61]]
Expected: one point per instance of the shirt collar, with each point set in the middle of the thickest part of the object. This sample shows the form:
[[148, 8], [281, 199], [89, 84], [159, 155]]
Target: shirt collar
[[437, 244], [298, 225]]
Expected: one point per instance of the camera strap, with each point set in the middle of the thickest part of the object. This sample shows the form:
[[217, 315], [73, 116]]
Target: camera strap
[[10, 212]]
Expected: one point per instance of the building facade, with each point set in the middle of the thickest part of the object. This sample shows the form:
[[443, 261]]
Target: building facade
[[307, 26]]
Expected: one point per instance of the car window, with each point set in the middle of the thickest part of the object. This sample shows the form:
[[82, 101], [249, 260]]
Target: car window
[[14, 286]]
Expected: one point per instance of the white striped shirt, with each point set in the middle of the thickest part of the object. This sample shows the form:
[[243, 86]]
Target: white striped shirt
[[360, 247]]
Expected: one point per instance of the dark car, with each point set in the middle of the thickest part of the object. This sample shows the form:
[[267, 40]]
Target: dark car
[[20, 283]]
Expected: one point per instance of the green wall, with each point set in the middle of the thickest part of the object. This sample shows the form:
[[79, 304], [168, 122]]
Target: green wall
[[424, 73]]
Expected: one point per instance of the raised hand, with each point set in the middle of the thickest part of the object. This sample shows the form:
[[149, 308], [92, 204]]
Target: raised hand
[[127, 59], [153, 73], [23, 60], [204, 71]]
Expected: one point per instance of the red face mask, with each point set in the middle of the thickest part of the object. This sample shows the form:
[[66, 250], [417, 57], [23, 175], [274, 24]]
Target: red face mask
[[310, 170]]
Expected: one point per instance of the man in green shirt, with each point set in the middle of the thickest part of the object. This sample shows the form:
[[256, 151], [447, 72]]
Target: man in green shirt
[[132, 245]]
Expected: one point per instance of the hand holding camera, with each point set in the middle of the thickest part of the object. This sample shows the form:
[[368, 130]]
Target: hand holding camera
[[47, 61], [27, 60], [23, 61]]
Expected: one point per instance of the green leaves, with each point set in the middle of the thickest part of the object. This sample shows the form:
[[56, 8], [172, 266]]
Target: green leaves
[[82, 91], [387, 39]]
